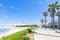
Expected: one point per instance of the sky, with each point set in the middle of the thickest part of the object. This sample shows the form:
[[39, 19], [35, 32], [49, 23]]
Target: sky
[[23, 11]]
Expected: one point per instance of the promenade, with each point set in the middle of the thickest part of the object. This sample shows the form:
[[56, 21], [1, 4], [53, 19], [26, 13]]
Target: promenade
[[46, 34]]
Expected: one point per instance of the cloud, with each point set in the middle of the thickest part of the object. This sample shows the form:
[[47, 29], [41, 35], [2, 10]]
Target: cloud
[[1, 5], [14, 8]]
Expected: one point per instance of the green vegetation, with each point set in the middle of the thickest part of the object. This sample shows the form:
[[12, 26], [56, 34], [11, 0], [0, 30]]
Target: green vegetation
[[25, 25], [25, 38], [18, 35], [42, 21], [29, 30], [53, 9], [45, 14]]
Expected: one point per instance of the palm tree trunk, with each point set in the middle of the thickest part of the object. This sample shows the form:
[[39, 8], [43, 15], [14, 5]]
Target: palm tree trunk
[[42, 24], [45, 21], [53, 22], [58, 22]]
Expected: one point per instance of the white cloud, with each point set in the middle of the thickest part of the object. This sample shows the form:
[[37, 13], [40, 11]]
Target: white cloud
[[1, 5]]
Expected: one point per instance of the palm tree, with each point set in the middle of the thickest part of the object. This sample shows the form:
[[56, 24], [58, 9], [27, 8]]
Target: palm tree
[[51, 9], [42, 21], [58, 14], [45, 14], [58, 7]]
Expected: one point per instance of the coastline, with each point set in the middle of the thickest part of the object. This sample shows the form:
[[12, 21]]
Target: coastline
[[12, 30]]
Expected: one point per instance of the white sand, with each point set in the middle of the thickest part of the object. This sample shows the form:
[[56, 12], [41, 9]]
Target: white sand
[[42, 34], [12, 30]]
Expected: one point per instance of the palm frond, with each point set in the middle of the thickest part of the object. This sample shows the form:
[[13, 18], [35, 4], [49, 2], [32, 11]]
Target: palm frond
[[50, 5], [48, 9], [45, 13], [56, 3], [42, 20], [58, 13]]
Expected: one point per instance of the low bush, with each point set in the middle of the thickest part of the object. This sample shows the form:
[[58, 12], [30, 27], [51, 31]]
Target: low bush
[[25, 38], [18, 35], [29, 30]]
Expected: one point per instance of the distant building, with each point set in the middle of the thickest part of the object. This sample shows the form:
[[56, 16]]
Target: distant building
[[26, 25]]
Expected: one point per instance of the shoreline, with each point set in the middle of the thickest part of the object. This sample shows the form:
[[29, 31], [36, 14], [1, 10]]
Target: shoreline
[[12, 30]]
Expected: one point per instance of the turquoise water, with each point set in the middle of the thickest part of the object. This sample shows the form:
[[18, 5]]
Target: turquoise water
[[2, 30]]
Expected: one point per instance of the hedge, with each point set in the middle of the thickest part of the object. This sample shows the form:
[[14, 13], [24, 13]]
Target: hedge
[[17, 35]]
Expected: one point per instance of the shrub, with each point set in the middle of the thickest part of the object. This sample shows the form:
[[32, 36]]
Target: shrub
[[25, 38], [17, 36], [29, 30]]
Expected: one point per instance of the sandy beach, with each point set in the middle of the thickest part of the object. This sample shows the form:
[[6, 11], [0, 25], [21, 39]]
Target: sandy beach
[[12, 30]]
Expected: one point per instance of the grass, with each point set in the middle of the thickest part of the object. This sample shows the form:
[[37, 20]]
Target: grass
[[18, 35]]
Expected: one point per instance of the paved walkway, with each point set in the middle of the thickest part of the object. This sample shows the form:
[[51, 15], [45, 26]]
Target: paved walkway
[[46, 34]]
